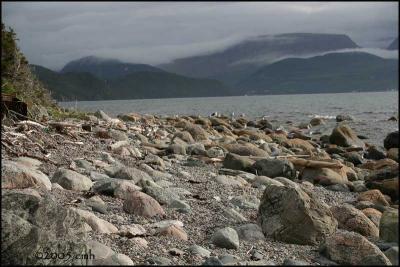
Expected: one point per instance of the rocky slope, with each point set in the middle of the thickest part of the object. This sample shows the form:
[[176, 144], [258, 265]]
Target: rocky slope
[[141, 189]]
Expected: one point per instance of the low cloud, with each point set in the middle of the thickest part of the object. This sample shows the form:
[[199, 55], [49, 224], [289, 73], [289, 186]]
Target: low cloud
[[270, 58]]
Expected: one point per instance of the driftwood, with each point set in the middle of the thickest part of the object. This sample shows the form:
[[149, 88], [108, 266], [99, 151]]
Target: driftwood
[[31, 123], [56, 124], [73, 143], [280, 157], [314, 163], [299, 162]]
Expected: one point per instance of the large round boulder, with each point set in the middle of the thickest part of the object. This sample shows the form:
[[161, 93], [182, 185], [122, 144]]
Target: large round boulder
[[350, 248], [289, 214], [343, 135]]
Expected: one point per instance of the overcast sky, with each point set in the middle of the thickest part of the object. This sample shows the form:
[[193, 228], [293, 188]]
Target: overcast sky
[[53, 33]]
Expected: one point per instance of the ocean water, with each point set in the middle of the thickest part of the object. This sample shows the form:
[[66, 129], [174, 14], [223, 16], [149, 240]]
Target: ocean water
[[371, 110]]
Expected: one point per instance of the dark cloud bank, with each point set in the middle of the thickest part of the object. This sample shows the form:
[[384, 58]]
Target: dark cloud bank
[[53, 33]]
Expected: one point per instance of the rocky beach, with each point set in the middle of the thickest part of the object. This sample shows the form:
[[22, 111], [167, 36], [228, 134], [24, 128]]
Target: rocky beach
[[144, 189]]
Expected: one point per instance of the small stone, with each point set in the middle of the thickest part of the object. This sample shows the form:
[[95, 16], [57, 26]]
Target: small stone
[[198, 250], [138, 241], [173, 231], [229, 259], [139, 203], [256, 255], [226, 238], [294, 262], [176, 252]]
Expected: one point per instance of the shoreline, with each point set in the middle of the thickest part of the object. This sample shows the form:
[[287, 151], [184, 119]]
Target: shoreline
[[197, 170]]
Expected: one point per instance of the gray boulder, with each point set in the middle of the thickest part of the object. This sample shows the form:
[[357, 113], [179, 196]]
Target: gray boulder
[[32, 225], [250, 232], [289, 214]]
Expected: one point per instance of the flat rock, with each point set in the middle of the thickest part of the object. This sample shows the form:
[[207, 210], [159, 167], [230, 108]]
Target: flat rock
[[19, 175], [128, 173], [131, 230], [98, 225]]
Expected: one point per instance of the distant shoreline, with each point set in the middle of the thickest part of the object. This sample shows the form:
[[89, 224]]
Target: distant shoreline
[[311, 93]]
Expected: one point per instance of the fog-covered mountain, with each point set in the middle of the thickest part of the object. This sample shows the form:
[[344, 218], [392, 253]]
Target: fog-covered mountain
[[330, 73], [237, 61]]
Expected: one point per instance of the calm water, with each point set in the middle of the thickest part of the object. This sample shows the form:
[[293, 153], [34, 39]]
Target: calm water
[[371, 110]]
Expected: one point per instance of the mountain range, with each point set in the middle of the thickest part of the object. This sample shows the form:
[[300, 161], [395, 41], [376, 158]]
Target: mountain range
[[136, 81], [239, 60], [268, 64]]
